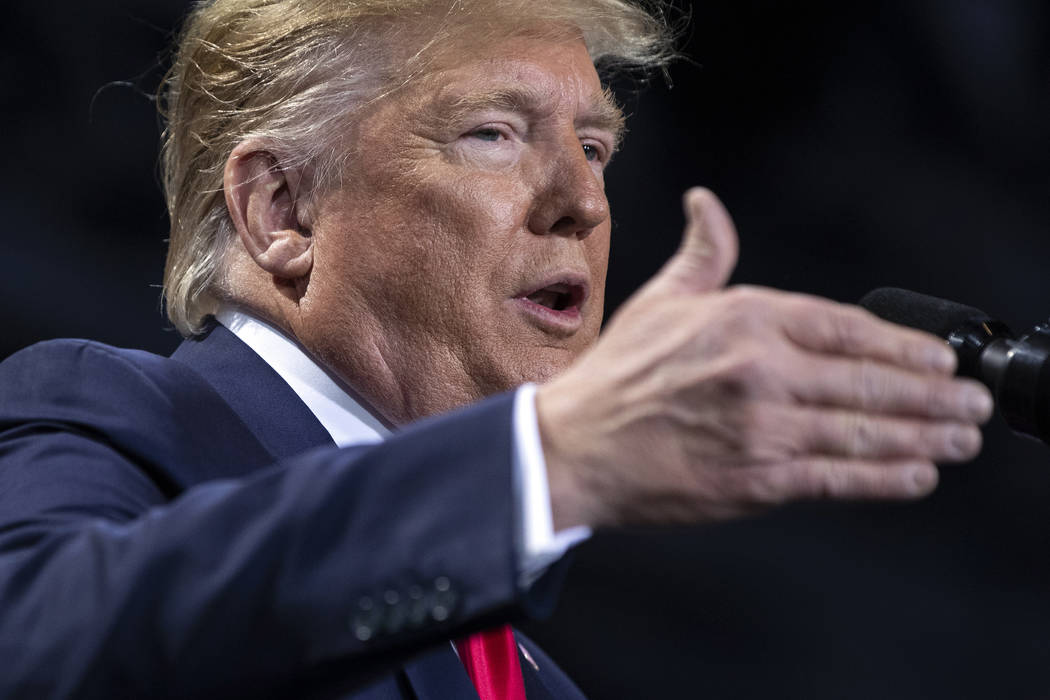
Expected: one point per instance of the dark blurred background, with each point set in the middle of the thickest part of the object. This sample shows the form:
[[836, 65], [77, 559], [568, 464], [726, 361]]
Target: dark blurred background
[[858, 145]]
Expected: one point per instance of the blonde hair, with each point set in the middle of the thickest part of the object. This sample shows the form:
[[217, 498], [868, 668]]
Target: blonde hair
[[291, 72]]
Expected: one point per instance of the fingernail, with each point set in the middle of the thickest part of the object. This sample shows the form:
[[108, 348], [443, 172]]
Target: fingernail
[[965, 442], [980, 404], [923, 479]]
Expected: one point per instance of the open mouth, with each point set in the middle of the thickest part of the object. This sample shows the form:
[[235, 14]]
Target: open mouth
[[558, 297], [555, 305]]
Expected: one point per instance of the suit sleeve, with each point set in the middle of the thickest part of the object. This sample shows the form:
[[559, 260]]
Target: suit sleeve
[[324, 570]]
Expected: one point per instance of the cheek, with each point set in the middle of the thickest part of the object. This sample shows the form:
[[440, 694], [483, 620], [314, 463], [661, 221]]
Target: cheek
[[597, 251], [471, 211], [472, 228], [426, 251]]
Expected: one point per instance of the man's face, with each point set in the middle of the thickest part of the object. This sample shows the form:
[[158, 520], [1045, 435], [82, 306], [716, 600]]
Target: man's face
[[464, 252]]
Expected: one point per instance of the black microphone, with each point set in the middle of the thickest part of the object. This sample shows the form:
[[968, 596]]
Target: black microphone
[[1017, 370]]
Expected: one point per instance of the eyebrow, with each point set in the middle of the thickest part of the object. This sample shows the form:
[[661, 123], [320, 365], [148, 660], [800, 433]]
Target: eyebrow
[[602, 113]]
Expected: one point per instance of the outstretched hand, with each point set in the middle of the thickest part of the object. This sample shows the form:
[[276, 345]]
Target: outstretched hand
[[700, 402]]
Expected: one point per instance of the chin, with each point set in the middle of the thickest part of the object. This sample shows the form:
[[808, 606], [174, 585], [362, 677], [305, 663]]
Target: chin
[[548, 364], [522, 361]]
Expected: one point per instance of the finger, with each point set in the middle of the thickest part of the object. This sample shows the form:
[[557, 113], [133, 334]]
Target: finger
[[827, 327], [875, 387], [838, 433], [708, 252], [837, 478]]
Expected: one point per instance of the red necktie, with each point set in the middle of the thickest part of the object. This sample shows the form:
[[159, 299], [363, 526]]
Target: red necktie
[[491, 660]]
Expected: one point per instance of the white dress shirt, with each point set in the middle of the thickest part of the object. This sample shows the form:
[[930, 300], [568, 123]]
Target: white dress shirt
[[350, 423]]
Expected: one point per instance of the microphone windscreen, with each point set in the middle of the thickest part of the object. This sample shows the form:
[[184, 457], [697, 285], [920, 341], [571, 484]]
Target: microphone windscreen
[[937, 316]]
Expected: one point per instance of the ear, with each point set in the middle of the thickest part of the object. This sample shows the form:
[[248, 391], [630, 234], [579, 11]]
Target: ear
[[261, 198]]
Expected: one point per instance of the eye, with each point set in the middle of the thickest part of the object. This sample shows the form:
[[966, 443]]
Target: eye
[[487, 134], [591, 152]]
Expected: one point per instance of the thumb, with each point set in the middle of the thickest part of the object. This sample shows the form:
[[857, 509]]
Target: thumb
[[709, 248]]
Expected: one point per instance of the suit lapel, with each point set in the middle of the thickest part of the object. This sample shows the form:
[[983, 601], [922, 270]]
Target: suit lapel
[[284, 426], [544, 680], [439, 675], [535, 688], [264, 401]]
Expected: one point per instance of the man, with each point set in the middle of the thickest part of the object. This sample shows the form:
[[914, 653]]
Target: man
[[382, 212]]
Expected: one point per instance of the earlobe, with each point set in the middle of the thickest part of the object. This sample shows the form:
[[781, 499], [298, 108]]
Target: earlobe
[[262, 198]]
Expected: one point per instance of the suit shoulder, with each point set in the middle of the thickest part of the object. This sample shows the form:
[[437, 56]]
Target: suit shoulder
[[67, 373], [154, 409]]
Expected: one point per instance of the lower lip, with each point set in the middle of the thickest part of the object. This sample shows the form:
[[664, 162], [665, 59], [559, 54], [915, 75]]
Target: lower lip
[[565, 322]]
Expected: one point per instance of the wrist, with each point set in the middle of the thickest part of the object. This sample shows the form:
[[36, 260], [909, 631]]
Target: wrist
[[573, 493]]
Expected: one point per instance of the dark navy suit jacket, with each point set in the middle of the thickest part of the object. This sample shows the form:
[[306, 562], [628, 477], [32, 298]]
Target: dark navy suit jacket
[[184, 527]]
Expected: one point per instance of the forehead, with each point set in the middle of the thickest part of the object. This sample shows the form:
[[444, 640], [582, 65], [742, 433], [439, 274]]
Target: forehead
[[531, 73]]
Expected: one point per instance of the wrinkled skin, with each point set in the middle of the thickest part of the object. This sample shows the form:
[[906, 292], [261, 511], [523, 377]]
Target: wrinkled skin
[[483, 180], [448, 215], [702, 403]]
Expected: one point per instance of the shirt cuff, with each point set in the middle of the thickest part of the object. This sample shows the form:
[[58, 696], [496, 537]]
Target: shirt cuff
[[538, 544]]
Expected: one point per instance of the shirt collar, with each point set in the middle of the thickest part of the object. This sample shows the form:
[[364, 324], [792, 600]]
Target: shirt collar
[[345, 418]]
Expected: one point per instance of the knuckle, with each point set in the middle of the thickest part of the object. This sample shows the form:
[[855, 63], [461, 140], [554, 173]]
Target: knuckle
[[862, 436], [747, 294], [790, 431], [741, 321], [836, 480], [735, 299], [756, 436], [771, 486], [805, 306], [870, 385], [744, 376], [820, 480], [746, 308], [768, 439], [846, 332], [741, 427]]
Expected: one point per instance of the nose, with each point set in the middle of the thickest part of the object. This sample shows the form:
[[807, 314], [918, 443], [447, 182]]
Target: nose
[[571, 200]]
